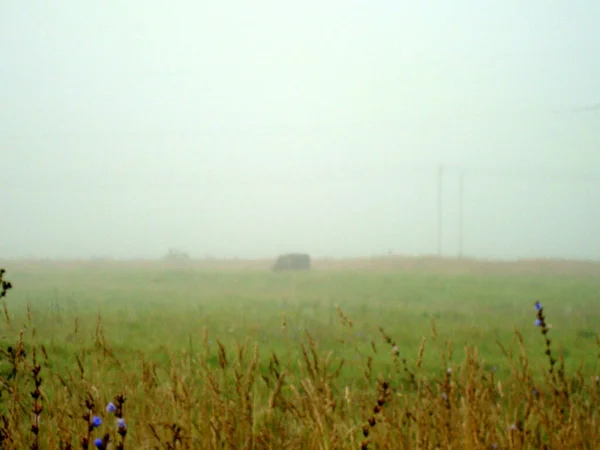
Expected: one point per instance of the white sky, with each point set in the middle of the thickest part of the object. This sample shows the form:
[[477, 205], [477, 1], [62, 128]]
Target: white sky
[[254, 128]]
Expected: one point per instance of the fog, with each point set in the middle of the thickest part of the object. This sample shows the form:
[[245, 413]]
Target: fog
[[248, 129]]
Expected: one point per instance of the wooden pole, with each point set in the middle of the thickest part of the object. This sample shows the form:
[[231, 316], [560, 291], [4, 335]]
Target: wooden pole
[[460, 215], [440, 209]]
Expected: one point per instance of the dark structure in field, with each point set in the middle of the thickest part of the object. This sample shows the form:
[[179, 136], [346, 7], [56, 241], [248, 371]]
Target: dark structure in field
[[176, 256], [292, 261]]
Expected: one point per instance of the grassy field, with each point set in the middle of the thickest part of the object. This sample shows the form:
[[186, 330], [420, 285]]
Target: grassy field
[[191, 347]]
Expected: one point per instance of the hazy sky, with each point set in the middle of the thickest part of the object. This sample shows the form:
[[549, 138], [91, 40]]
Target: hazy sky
[[253, 128]]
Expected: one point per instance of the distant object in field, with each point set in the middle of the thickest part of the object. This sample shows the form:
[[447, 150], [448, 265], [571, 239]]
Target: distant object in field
[[292, 261], [175, 255]]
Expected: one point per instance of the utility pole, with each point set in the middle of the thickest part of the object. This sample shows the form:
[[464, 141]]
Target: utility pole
[[460, 214], [440, 209]]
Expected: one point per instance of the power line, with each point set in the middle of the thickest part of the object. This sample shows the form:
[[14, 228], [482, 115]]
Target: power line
[[587, 108], [523, 173]]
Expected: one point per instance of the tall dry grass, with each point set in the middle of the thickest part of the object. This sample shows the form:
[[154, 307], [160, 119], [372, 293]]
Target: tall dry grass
[[248, 400]]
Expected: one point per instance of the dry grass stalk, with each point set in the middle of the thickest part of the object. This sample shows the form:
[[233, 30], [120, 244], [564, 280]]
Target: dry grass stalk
[[228, 397]]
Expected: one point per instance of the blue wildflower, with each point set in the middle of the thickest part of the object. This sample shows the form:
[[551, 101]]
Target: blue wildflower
[[96, 421], [538, 323], [111, 408], [444, 396], [98, 443], [535, 392], [538, 306], [121, 423]]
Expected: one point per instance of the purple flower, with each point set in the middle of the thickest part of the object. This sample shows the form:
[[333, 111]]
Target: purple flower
[[98, 443], [538, 323], [538, 305], [444, 396], [121, 423], [111, 408], [96, 421]]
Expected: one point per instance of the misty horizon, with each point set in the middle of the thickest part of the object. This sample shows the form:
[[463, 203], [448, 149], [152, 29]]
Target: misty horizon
[[250, 130]]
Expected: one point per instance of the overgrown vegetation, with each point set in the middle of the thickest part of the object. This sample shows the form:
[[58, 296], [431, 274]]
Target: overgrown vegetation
[[243, 396]]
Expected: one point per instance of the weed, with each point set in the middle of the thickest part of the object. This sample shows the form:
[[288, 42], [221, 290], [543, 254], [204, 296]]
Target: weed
[[232, 395]]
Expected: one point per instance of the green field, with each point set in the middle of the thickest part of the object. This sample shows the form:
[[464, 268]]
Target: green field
[[119, 319], [159, 310]]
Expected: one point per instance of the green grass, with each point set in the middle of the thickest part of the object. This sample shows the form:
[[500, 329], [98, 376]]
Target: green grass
[[156, 333], [163, 310]]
